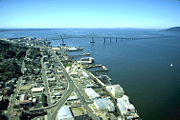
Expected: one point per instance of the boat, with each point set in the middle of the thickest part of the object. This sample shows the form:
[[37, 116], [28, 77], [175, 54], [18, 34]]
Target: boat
[[171, 65], [86, 54], [71, 49]]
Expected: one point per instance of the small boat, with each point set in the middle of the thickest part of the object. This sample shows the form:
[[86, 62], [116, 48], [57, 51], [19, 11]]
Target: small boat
[[171, 65], [71, 49], [86, 54]]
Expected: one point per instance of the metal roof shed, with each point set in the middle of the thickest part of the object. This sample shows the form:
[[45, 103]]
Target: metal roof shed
[[64, 113], [91, 93]]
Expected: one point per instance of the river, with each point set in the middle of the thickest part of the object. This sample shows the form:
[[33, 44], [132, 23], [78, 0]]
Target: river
[[147, 69]]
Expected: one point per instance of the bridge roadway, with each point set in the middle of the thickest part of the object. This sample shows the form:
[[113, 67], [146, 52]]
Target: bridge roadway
[[103, 37]]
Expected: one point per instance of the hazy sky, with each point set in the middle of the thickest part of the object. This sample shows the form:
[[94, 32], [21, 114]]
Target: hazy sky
[[89, 13]]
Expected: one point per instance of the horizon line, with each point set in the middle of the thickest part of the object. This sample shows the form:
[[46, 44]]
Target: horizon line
[[85, 28], [88, 28]]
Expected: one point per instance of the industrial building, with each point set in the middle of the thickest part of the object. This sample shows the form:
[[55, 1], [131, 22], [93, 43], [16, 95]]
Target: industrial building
[[86, 60], [64, 113], [22, 97], [53, 79], [125, 106], [104, 104], [80, 114], [116, 90], [85, 74], [91, 93], [35, 90]]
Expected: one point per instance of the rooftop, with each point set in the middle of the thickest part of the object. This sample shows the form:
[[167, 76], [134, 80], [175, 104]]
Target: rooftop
[[104, 104], [64, 113], [78, 111], [91, 93]]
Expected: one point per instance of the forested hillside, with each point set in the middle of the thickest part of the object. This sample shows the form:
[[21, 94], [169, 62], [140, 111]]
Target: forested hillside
[[11, 57]]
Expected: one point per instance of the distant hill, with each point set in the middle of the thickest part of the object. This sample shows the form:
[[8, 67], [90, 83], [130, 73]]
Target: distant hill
[[174, 29], [25, 29]]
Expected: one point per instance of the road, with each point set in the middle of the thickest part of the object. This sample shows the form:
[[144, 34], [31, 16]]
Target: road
[[46, 84], [16, 91], [84, 103], [66, 95], [71, 86], [53, 109]]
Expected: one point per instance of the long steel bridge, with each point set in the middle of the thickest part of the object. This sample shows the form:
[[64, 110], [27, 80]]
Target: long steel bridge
[[92, 38]]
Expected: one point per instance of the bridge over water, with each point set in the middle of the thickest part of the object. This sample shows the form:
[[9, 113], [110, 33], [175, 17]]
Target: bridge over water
[[93, 38]]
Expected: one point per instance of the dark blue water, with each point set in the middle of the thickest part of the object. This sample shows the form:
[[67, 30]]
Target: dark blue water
[[141, 67]]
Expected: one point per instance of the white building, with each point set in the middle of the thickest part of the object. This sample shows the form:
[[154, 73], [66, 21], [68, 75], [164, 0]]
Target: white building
[[85, 74], [64, 113], [40, 89], [104, 104], [56, 48], [116, 90], [125, 106], [72, 49], [57, 94], [73, 74], [86, 60], [91, 93], [71, 98], [46, 63], [53, 79], [22, 97]]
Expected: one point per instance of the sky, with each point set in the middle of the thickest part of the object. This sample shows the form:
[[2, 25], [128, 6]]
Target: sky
[[89, 13]]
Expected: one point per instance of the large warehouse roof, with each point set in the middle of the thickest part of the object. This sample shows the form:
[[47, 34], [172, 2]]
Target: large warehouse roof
[[103, 104], [116, 90], [91, 93], [64, 113]]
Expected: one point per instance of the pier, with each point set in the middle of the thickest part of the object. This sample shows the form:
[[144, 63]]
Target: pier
[[91, 66], [97, 68], [75, 56]]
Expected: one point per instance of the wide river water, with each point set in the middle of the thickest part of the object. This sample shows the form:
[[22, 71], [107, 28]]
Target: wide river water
[[141, 67]]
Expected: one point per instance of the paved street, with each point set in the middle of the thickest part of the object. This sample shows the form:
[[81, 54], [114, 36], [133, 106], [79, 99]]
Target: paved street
[[46, 84], [16, 91], [66, 95]]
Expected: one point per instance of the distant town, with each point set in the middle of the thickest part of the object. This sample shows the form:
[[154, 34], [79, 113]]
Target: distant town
[[41, 82]]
